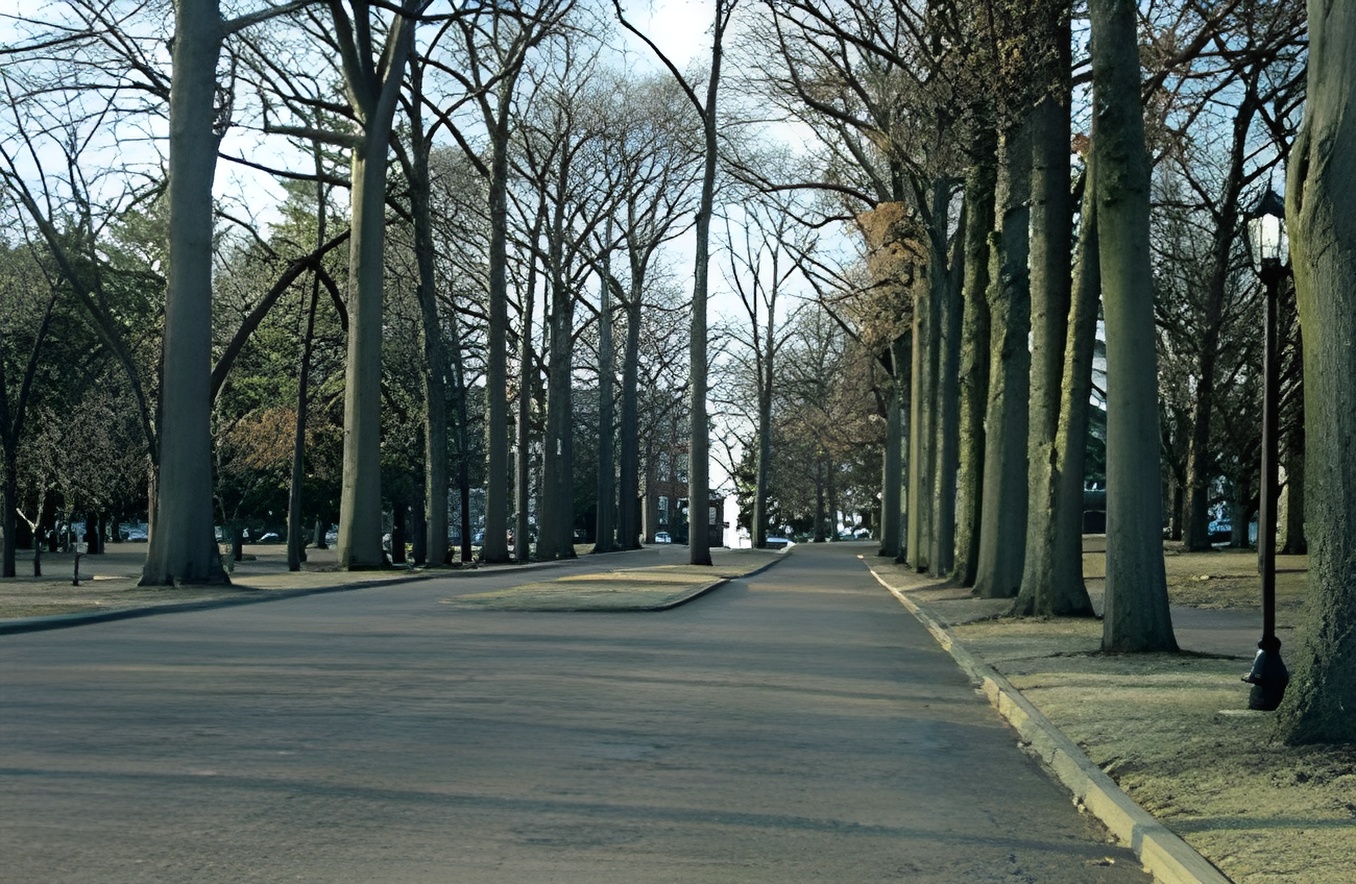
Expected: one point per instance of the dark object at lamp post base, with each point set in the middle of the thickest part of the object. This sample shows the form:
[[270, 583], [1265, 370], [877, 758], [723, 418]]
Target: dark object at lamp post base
[[1268, 677]]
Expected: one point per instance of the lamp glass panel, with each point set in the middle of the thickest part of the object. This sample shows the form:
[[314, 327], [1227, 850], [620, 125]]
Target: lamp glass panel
[[1269, 242]]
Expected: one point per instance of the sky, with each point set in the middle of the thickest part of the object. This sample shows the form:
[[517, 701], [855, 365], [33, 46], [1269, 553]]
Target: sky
[[678, 27]]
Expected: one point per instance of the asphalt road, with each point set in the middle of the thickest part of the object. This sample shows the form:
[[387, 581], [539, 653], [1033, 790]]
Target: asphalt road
[[796, 726]]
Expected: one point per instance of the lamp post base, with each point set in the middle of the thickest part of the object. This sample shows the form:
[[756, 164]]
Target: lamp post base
[[1268, 676]]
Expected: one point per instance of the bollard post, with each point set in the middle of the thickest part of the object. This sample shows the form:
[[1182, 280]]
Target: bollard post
[[80, 549]]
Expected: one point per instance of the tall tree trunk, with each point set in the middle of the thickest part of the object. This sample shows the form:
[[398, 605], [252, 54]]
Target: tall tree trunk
[[296, 542], [523, 461], [399, 516], [495, 546], [926, 471], [1296, 543], [821, 534], [699, 484], [1067, 595], [699, 467], [360, 521], [998, 571], [1321, 703], [903, 354], [1051, 251], [763, 467], [373, 91], [606, 540], [296, 538], [419, 530], [434, 521], [946, 433], [628, 472], [919, 497], [831, 494], [182, 547], [463, 431], [980, 183], [9, 520], [1136, 615], [556, 508], [892, 471]]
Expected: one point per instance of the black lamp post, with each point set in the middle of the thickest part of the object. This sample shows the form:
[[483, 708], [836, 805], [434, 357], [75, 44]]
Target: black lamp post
[[1269, 247]]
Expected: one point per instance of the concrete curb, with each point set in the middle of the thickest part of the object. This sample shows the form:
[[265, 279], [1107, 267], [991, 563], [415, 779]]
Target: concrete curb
[[697, 592], [711, 587], [1163, 854], [62, 621]]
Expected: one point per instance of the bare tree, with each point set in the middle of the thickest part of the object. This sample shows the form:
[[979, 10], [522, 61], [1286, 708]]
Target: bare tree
[[656, 173], [762, 261], [699, 469], [494, 48], [560, 160]]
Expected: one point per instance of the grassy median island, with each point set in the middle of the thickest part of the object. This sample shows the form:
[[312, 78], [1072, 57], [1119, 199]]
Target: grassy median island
[[640, 589]]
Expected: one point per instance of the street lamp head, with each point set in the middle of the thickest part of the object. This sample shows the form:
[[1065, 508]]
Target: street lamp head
[[1267, 240]]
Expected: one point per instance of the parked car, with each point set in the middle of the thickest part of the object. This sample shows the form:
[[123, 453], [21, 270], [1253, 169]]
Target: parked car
[[663, 537], [777, 542]]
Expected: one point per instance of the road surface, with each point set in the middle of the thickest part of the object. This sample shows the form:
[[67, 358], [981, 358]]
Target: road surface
[[799, 725]]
